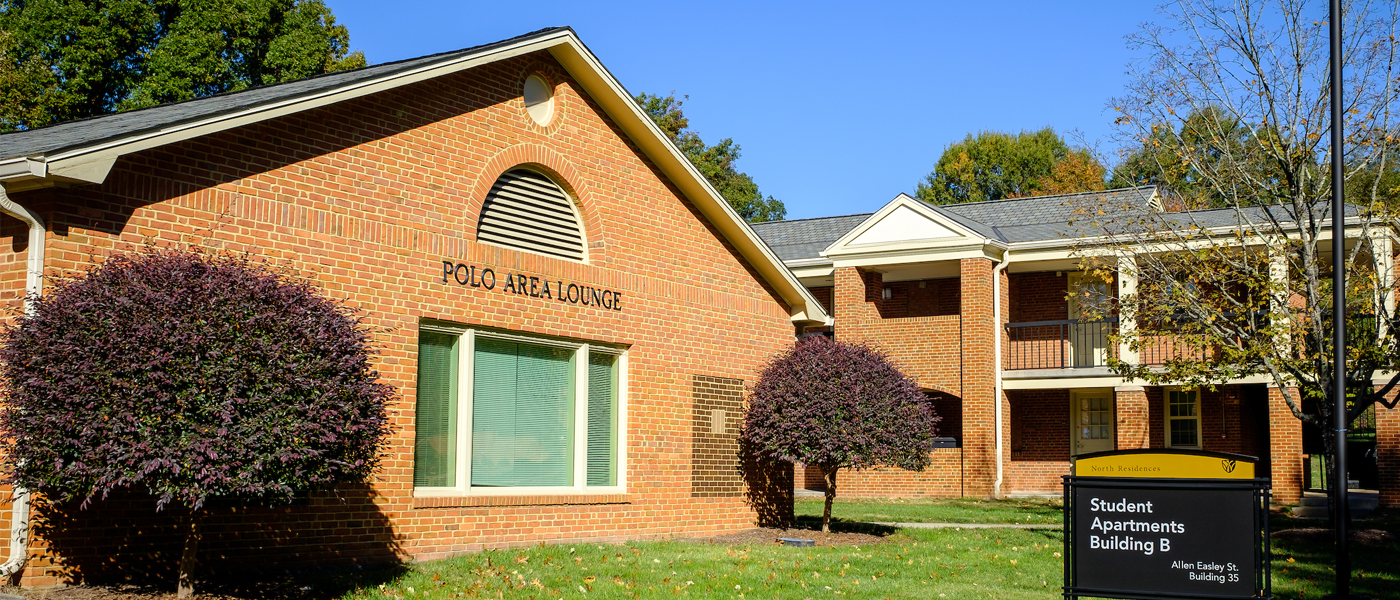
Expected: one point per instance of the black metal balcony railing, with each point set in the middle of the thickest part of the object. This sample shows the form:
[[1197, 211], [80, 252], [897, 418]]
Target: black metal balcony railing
[[1063, 344]]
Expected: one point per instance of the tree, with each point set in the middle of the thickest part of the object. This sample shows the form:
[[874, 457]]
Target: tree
[[715, 162], [190, 377], [998, 166], [68, 59], [836, 406], [1237, 95]]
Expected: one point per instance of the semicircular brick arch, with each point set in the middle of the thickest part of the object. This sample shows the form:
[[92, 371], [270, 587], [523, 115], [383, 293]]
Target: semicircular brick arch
[[561, 170]]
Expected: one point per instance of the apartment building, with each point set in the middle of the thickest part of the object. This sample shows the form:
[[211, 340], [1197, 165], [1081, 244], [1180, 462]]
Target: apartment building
[[972, 300]]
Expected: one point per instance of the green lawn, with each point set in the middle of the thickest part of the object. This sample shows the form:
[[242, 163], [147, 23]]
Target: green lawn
[[942, 510], [1303, 569], [912, 563], [998, 564]]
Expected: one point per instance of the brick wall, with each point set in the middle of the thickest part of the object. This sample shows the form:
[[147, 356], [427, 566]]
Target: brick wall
[[1038, 297], [928, 349], [1040, 441], [718, 414], [1388, 452], [943, 478], [1131, 418], [1285, 448], [366, 198]]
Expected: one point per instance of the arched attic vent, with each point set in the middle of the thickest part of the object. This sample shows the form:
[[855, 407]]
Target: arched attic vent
[[526, 211]]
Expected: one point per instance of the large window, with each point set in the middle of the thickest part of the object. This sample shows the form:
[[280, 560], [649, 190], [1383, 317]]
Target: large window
[[507, 414], [1183, 418]]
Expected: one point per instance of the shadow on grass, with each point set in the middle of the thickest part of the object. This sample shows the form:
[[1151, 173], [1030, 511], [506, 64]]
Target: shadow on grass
[[844, 526]]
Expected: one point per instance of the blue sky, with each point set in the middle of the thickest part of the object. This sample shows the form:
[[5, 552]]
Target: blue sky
[[838, 106]]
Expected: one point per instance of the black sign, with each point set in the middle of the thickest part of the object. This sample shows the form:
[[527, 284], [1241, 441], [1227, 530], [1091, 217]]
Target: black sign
[[1187, 541], [1155, 538]]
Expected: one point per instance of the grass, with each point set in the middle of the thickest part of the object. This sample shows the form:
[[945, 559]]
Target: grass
[[912, 563], [942, 510], [998, 564], [1303, 569]]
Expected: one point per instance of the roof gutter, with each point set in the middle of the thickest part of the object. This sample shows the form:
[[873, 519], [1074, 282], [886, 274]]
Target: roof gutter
[[33, 286]]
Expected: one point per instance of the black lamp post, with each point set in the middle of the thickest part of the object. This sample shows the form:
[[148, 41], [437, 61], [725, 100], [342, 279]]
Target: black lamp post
[[1340, 511]]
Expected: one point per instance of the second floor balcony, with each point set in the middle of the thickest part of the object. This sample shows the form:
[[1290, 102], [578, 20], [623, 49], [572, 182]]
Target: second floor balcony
[[1078, 344]]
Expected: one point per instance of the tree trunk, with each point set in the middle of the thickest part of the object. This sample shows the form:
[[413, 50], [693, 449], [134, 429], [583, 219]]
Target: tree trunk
[[187, 560], [830, 475]]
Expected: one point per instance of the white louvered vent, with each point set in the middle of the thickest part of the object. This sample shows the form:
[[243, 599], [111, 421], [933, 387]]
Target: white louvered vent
[[527, 211]]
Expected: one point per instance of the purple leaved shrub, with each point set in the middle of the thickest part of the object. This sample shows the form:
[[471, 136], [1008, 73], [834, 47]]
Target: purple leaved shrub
[[837, 405], [189, 376]]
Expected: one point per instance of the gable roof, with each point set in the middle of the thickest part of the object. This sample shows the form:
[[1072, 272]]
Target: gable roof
[[1002, 221], [55, 139], [804, 239], [1041, 217], [85, 150]]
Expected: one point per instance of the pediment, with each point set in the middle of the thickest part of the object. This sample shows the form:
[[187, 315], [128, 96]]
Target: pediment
[[903, 224]]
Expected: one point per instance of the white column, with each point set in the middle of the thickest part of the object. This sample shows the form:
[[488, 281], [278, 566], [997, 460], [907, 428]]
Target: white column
[[1127, 286], [1384, 260], [1279, 294]]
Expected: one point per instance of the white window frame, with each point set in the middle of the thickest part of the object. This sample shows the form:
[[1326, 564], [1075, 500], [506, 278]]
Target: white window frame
[[463, 444], [1167, 418]]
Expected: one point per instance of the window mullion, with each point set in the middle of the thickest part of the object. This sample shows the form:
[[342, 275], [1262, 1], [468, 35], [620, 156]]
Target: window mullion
[[581, 417], [465, 390]]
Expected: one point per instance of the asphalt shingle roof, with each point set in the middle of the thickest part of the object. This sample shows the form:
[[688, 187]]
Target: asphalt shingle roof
[[1039, 218], [804, 238], [86, 132]]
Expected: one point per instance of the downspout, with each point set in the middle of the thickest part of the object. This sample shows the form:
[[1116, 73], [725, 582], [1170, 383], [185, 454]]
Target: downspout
[[996, 360], [33, 286]]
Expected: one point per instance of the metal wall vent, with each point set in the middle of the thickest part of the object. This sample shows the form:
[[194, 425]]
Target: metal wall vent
[[526, 211]]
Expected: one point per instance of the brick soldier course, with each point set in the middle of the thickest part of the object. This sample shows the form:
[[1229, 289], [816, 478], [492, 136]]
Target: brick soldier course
[[366, 182]]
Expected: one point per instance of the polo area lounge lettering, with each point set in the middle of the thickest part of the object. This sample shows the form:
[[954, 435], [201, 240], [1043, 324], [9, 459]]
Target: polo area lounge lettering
[[529, 285]]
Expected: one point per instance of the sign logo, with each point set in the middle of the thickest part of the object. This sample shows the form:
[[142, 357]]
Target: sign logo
[[1228, 465]]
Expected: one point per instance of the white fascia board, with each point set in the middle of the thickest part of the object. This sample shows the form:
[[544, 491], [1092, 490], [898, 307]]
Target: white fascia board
[[977, 249], [814, 271], [604, 89], [1351, 223], [22, 168], [843, 246]]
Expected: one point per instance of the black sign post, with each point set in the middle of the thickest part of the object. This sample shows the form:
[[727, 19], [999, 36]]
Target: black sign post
[[1154, 538]]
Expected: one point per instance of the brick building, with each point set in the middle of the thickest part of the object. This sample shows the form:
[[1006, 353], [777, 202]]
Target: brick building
[[504, 214], [972, 300]]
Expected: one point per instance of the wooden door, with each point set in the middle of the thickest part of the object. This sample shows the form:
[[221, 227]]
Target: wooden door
[[1092, 421]]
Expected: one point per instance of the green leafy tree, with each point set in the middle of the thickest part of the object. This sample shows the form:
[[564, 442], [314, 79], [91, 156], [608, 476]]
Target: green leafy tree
[[1228, 105], [68, 59], [996, 166], [715, 162]]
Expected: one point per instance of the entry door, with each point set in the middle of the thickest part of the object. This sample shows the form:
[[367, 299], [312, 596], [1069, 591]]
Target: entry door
[[1092, 420], [1088, 341]]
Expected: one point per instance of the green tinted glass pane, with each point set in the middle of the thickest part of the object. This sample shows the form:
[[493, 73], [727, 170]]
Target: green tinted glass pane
[[602, 419], [544, 416], [522, 414], [435, 422], [493, 412]]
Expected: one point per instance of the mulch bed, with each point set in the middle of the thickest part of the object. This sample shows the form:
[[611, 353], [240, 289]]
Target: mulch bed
[[1364, 537], [271, 591]]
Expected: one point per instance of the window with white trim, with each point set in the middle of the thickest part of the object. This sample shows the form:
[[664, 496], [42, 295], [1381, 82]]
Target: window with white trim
[[500, 413], [1183, 412]]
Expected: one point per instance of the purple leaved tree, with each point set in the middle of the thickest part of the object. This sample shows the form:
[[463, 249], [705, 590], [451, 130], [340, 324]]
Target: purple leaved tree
[[836, 406], [189, 377]]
